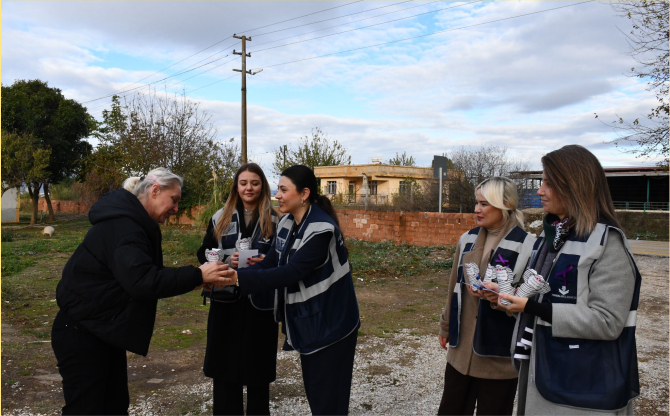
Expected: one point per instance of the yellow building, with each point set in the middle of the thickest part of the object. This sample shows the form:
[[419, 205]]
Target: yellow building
[[375, 182]]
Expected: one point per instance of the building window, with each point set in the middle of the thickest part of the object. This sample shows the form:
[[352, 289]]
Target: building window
[[405, 187], [332, 187], [373, 187]]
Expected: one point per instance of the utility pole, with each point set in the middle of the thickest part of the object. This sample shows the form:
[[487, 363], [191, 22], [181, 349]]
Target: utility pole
[[244, 90]]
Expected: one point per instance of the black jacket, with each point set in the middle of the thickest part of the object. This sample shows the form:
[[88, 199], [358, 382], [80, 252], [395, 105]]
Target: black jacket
[[111, 284]]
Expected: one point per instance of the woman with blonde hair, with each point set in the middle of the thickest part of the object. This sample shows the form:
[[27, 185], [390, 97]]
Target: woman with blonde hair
[[575, 345], [479, 369], [241, 330]]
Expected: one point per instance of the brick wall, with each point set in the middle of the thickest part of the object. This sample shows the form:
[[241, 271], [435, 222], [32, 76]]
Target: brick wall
[[416, 228], [183, 219], [68, 207]]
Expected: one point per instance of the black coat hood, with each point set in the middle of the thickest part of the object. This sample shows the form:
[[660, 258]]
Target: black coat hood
[[119, 204]]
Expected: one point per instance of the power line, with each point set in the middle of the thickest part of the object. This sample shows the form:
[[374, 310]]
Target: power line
[[161, 70], [299, 17], [125, 89], [163, 79], [333, 18], [173, 84], [348, 23], [365, 27], [221, 80], [395, 11], [425, 35]]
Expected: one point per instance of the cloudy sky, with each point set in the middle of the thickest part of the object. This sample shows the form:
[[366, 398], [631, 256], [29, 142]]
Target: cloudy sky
[[528, 75]]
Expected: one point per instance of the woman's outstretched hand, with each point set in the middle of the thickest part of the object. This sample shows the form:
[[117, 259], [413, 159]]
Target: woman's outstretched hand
[[216, 274], [229, 279]]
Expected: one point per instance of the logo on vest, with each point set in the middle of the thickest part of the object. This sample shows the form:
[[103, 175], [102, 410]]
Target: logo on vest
[[504, 262], [280, 244], [264, 240], [564, 289]]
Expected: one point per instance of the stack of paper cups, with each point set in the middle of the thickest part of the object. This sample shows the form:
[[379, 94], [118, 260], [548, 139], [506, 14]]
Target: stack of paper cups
[[213, 254], [533, 284], [504, 277], [472, 270], [490, 274]]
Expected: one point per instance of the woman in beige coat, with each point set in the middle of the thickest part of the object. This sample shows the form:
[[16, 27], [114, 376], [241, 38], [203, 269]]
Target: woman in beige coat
[[478, 333]]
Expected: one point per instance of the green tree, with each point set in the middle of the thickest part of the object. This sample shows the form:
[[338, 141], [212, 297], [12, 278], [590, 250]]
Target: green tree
[[402, 160], [58, 124], [648, 45], [314, 150], [24, 162]]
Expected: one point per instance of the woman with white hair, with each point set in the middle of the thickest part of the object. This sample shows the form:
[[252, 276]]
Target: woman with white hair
[[479, 366], [109, 290]]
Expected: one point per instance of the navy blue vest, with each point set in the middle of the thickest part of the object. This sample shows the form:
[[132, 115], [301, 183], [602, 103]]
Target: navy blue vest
[[494, 330], [585, 373], [322, 308], [264, 301]]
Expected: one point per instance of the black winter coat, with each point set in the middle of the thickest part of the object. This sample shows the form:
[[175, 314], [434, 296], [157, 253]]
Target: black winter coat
[[112, 282]]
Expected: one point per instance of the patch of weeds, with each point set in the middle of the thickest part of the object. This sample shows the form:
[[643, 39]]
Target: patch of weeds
[[8, 236], [23, 372], [191, 242], [14, 263], [389, 259]]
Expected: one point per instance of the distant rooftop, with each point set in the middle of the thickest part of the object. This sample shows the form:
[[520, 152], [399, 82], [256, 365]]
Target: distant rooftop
[[373, 170], [609, 171]]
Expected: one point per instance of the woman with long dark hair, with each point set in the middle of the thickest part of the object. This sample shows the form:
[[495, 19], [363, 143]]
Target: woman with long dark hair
[[241, 330], [309, 269], [576, 344]]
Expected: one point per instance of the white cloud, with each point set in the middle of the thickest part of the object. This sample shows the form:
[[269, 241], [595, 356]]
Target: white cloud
[[531, 84]]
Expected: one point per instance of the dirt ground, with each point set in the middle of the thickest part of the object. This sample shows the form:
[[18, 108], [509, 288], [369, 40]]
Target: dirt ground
[[398, 370]]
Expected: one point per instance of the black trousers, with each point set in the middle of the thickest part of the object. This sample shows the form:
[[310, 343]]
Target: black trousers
[[228, 398], [327, 376], [95, 375], [493, 397]]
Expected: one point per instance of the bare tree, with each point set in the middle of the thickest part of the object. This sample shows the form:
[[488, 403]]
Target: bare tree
[[473, 166], [152, 130], [648, 42]]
